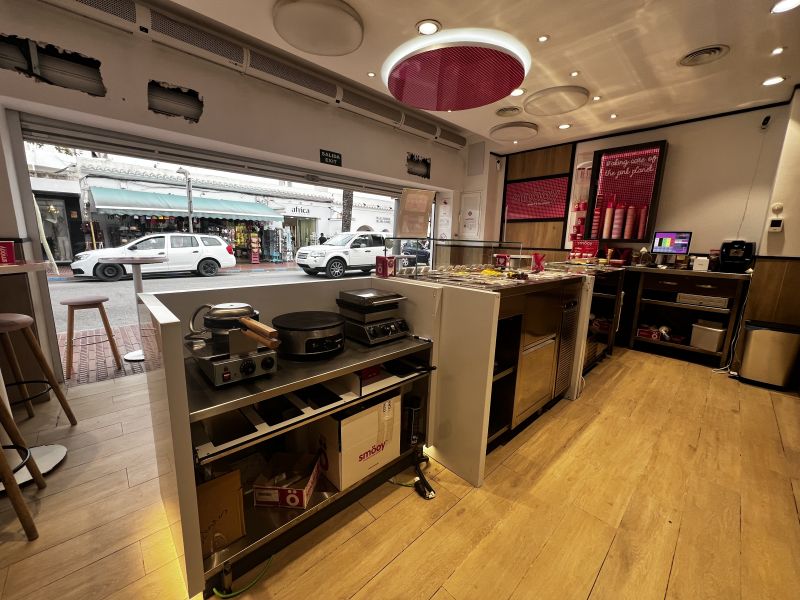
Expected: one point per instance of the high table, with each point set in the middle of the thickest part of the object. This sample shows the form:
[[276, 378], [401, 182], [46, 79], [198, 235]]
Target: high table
[[136, 263], [50, 455]]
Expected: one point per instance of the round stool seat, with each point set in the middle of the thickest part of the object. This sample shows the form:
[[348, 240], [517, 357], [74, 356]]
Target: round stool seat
[[84, 300], [14, 322]]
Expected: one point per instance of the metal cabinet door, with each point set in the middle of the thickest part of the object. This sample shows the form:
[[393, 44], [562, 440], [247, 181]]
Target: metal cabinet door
[[542, 317], [534, 380]]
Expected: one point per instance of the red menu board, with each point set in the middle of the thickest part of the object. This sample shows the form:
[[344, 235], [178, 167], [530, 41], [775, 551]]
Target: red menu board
[[541, 199], [626, 185]]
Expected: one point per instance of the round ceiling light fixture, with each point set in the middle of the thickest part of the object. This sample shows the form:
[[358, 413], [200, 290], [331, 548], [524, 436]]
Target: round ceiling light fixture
[[574, 73], [428, 27], [456, 69], [596, 98], [774, 80], [514, 132], [564, 126], [778, 50], [543, 38], [783, 6], [517, 92], [321, 27], [556, 100]]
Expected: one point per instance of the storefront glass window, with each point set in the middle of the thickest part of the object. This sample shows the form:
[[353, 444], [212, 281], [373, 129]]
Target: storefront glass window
[[56, 230]]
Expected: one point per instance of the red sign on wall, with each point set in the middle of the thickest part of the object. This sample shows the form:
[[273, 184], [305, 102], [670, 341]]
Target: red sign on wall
[[629, 176], [537, 200]]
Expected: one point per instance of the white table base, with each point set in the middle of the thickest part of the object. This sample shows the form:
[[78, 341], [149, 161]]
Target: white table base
[[136, 355], [47, 458]]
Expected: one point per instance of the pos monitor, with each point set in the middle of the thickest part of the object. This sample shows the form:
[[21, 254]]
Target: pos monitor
[[672, 242]]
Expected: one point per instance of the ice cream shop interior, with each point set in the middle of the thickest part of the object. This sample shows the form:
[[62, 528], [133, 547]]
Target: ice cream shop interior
[[536, 331]]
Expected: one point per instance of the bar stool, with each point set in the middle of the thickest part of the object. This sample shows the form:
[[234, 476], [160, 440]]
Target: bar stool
[[7, 472], [17, 322], [83, 303]]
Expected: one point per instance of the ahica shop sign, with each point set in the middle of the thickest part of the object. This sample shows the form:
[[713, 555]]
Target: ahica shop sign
[[329, 157], [301, 210]]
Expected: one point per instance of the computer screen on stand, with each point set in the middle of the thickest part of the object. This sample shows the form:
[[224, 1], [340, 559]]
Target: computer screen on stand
[[672, 242]]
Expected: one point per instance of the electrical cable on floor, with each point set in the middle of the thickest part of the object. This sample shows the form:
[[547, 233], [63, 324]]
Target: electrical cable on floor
[[219, 594], [735, 340], [400, 483]]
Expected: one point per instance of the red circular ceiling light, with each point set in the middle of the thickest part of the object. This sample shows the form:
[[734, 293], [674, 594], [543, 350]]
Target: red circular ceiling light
[[456, 69]]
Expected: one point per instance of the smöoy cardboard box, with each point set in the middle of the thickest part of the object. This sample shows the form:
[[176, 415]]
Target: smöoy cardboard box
[[358, 441]]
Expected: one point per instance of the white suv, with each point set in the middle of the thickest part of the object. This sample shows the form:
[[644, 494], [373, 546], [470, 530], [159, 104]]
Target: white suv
[[202, 253], [342, 252]]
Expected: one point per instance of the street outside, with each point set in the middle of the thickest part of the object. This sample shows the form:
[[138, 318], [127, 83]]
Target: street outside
[[120, 306]]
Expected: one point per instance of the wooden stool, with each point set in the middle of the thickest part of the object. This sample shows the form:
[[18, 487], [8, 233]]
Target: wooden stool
[[82, 303], [16, 322], [7, 472]]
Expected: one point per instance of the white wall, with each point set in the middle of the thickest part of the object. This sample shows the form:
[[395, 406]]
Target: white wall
[[787, 192], [718, 175], [242, 115]]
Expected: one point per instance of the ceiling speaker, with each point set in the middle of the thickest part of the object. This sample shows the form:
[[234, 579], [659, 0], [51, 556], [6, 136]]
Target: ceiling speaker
[[509, 132], [322, 27]]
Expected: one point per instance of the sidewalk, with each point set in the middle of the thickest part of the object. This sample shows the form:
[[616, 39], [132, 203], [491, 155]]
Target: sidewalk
[[94, 361], [65, 273]]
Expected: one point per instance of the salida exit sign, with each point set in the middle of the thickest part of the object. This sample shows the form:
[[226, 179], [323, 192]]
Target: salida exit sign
[[329, 157]]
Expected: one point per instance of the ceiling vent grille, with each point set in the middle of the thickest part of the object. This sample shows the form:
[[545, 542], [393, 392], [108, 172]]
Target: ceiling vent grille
[[508, 111], [419, 127], [197, 38], [368, 107], [123, 9], [285, 75], [704, 55], [452, 139]]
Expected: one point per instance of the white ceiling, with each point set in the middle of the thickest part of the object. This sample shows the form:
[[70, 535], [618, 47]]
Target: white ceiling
[[625, 50]]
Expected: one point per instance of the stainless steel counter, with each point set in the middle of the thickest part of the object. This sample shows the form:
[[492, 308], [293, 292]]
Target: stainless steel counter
[[207, 401]]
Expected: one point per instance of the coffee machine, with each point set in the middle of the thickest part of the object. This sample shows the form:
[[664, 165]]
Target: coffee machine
[[736, 256]]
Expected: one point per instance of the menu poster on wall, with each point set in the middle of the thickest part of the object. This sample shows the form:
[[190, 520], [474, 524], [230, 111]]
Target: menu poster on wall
[[625, 190], [537, 200], [414, 213], [444, 219]]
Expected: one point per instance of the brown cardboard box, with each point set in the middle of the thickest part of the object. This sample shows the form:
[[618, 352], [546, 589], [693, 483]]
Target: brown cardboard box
[[221, 509], [290, 482]]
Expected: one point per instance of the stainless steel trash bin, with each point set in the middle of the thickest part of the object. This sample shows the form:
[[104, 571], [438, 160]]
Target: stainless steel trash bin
[[771, 351]]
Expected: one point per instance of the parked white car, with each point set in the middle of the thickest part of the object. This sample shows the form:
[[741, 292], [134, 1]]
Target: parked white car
[[342, 252], [202, 253]]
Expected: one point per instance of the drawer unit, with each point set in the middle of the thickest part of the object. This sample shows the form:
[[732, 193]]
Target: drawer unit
[[534, 379], [724, 288], [664, 283]]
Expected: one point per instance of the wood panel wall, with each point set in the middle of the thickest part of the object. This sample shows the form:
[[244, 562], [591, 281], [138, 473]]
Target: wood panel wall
[[540, 163], [546, 162]]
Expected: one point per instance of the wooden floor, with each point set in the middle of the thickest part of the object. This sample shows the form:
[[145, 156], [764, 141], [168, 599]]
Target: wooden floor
[[663, 481]]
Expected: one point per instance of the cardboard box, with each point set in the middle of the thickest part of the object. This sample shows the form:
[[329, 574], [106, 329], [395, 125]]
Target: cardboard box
[[289, 482], [221, 509], [358, 441]]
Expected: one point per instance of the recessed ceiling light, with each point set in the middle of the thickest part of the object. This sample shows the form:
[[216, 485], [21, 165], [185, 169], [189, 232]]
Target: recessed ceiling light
[[516, 142], [596, 98], [449, 111], [775, 80], [370, 74], [778, 50], [564, 126], [613, 115], [428, 27], [517, 92], [543, 38], [785, 5], [574, 74]]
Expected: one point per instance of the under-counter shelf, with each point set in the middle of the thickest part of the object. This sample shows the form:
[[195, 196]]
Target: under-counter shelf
[[678, 346], [262, 525], [207, 401], [710, 309], [258, 430]]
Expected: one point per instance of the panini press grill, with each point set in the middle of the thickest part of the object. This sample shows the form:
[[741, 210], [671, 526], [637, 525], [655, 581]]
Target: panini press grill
[[372, 316]]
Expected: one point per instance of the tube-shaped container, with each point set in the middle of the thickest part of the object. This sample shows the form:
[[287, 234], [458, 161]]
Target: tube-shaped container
[[642, 222], [619, 222], [630, 221], [608, 219]]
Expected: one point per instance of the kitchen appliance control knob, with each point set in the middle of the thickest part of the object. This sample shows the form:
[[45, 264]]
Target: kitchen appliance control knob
[[267, 363], [248, 367], [386, 330]]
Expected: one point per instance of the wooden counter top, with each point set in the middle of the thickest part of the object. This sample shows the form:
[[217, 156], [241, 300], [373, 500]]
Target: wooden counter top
[[22, 267]]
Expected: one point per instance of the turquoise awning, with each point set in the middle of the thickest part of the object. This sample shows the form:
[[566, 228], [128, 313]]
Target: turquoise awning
[[112, 201]]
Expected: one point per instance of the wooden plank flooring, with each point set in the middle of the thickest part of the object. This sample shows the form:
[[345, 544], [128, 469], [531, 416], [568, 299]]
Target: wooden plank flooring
[[663, 481]]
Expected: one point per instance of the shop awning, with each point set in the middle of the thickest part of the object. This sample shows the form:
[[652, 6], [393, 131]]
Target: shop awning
[[112, 201]]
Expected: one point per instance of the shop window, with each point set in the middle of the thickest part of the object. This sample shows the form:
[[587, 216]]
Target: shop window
[[151, 243], [183, 241], [210, 241]]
